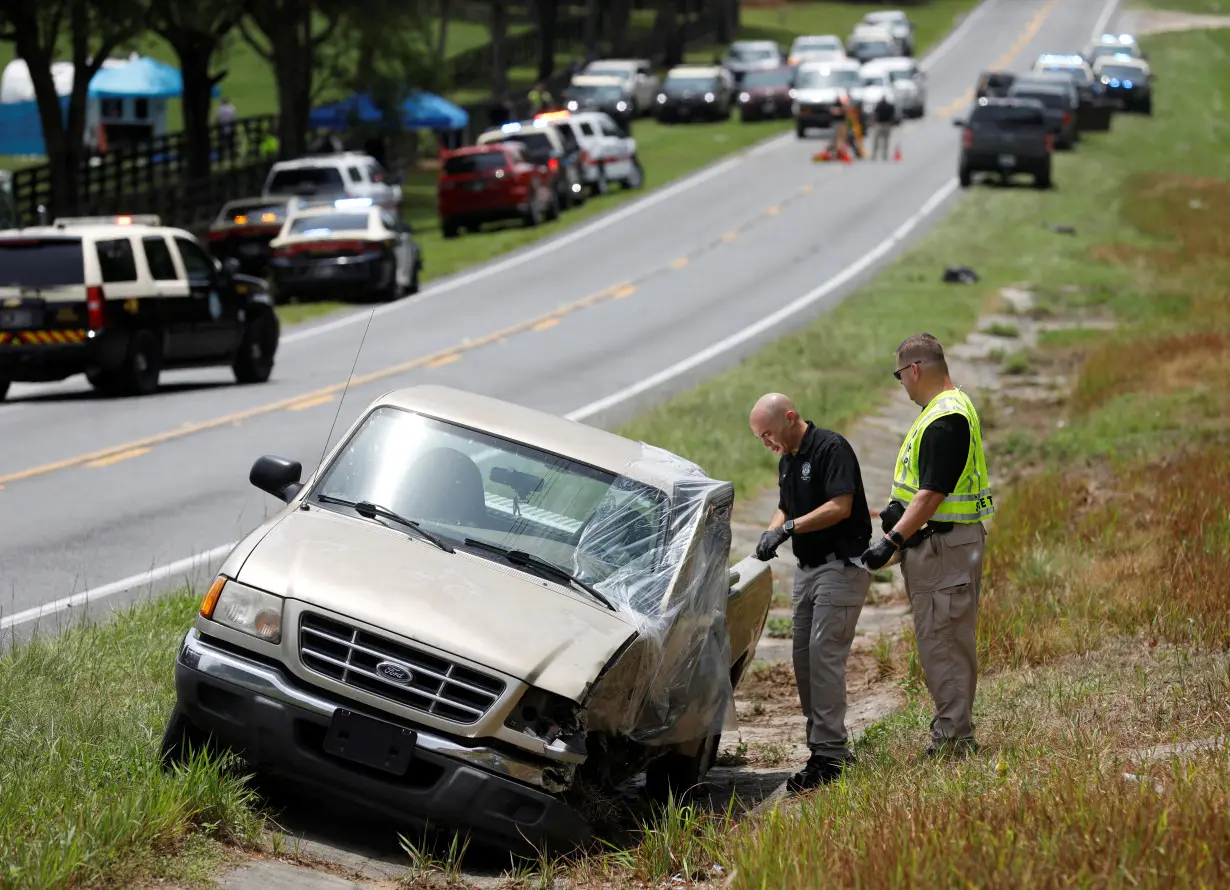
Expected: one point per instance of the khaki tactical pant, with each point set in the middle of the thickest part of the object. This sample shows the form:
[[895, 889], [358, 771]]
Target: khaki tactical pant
[[943, 577], [880, 139], [827, 602]]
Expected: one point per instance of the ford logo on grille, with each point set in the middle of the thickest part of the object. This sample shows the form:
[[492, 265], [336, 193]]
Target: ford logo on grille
[[394, 672]]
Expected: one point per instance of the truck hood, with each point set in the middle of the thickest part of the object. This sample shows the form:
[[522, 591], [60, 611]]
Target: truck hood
[[824, 95], [461, 604]]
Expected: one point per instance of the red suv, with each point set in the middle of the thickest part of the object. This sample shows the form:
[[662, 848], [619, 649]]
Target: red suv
[[480, 183]]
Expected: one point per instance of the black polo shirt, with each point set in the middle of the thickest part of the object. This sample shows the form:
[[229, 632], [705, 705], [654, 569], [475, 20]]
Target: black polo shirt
[[824, 468]]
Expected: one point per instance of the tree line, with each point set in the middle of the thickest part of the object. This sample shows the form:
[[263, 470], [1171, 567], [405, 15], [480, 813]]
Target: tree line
[[379, 46]]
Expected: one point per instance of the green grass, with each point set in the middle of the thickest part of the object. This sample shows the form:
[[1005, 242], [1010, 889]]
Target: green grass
[[82, 797]]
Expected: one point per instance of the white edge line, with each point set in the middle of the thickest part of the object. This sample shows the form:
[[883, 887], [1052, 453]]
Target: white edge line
[[107, 590], [650, 200], [1103, 21], [768, 322]]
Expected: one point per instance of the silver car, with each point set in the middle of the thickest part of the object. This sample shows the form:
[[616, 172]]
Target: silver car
[[743, 56]]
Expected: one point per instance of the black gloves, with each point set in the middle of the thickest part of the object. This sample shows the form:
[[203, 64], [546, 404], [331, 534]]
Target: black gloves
[[876, 556], [769, 542]]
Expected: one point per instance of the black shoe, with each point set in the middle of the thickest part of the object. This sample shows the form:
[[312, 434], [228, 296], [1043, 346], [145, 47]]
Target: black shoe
[[819, 770], [947, 749]]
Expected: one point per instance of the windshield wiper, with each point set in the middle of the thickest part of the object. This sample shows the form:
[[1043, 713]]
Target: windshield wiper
[[368, 510], [530, 561]]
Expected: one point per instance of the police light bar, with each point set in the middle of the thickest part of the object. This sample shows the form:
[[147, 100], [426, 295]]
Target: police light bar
[[510, 127], [352, 203], [139, 219], [552, 115]]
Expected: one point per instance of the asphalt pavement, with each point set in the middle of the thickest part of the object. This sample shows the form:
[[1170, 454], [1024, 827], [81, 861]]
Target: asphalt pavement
[[106, 500]]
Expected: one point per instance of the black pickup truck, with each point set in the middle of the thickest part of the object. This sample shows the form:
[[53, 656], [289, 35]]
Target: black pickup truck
[[1006, 136]]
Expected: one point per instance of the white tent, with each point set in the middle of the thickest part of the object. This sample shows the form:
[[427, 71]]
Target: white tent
[[16, 85]]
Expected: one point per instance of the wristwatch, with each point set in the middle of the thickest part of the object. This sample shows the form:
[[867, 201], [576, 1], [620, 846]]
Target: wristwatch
[[789, 526], [897, 538]]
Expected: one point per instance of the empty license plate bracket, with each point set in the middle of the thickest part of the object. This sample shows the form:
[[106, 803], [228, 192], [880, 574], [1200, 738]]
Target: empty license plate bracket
[[370, 742]]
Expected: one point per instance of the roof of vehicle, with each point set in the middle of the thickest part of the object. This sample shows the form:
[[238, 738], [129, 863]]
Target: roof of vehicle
[[1060, 60], [598, 63], [480, 149], [333, 207], [830, 64], [256, 201], [323, 159], [695, 71], [1124, 60], [755, 44], [891, 63], [869, 31], [1121, 39], [596, 80], [539, 429], [886, 15], [91, 226], [805, 39]]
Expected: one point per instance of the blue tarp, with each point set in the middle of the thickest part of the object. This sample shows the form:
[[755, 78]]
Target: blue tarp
[[21, 129], [422, 111], [141, 78]]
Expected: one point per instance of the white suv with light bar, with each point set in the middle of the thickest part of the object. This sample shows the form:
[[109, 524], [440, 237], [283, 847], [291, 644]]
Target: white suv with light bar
[[121, 299]]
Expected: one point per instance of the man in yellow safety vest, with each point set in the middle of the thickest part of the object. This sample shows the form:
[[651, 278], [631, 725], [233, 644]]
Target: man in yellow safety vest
[[933, 523]]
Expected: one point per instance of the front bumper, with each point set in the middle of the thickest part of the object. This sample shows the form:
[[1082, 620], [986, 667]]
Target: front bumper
[[687, 110], [280, 726]]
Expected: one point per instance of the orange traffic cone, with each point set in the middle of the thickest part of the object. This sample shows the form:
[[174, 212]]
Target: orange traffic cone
[[822, 155]]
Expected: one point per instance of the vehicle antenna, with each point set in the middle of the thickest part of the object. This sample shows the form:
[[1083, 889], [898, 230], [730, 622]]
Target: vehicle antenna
[[346, 388]]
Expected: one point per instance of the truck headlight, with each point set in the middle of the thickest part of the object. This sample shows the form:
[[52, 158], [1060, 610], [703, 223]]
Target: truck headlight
[[244, 609]]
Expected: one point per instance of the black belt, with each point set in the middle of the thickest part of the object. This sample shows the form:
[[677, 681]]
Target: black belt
[[832, 557]]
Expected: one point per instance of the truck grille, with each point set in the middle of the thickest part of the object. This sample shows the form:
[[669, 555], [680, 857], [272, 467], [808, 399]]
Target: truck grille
[[436, 686]]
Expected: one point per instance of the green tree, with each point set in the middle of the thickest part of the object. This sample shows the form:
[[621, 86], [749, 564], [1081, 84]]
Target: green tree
[[92, 29]]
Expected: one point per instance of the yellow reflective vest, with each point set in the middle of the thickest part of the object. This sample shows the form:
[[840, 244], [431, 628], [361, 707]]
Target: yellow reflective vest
[[971, 500]]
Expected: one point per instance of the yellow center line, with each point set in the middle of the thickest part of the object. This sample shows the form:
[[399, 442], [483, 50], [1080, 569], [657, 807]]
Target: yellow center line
[[625, 291], [774, 210], [679, 263], [730, 236], [311, 403], [545, 324], [445, 360], [116, 458]]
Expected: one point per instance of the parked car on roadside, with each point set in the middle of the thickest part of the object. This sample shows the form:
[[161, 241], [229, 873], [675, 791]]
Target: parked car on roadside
[[1128, 83], [1006, 137], [744, 56], [816, 48], [592, 92], [243, 229], [546, 146], [486, 183], [993, 84], [897, 23], [1061, 102], [478, 615], [636, 75], [818, 88], [909, 83], [767, 94], [608, 154], [123, 298], [347, 174], [696, 92]]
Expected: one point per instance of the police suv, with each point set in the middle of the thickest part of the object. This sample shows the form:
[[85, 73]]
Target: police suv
[[120, 299]]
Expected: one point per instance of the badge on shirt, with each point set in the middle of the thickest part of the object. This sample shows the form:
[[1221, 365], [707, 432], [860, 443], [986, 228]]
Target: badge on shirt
[[805, 472]]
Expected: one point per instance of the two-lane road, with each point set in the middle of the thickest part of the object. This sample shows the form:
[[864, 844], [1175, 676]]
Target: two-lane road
[[95, 493]]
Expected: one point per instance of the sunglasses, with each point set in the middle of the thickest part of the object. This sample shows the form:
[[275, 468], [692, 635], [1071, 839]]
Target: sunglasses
[[897, 373]]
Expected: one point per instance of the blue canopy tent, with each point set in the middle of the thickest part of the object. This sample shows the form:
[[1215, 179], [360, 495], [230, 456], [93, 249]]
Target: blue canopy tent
[[142, 78], [421, 111]]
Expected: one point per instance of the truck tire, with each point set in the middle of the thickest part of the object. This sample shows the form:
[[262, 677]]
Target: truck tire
[[1042, 179], [413, 287], [138, 376], [448, 228], [254, 360], [180, 738], [677, 775], [601, 186], [965, 176], [533, 216], [800, 130], [4, 388], [1146, 107], [553, 209], [636, 179]]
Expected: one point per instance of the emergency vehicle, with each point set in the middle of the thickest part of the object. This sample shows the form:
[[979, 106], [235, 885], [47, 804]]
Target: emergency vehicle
[[121, 299], [607, 153]]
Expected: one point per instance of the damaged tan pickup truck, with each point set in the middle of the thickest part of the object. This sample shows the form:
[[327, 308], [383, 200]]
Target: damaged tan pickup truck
[[472, 616]]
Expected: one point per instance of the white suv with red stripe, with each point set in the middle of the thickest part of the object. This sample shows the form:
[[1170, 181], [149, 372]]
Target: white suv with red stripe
[[120, 299], [608, 153]]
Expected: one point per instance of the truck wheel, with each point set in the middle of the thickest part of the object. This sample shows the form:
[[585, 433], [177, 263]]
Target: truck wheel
[[413, 287], [553, 209], [4, 388], [800, 130], [677, 775], [964, 175], [180, 738], [1146, 106], [1043, 180], [533, 216], [138, 376], [254, 361], [449, 228], [601, 186]]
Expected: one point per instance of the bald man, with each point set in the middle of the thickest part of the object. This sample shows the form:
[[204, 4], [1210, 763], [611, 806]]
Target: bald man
[[823, 510]]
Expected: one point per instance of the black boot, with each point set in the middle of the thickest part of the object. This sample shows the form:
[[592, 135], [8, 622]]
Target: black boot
[[819, 770]]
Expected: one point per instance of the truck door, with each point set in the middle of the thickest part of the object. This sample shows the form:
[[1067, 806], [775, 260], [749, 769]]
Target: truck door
[[215, 309]]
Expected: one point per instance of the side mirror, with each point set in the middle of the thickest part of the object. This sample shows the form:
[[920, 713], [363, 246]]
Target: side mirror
[[277, 476]]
